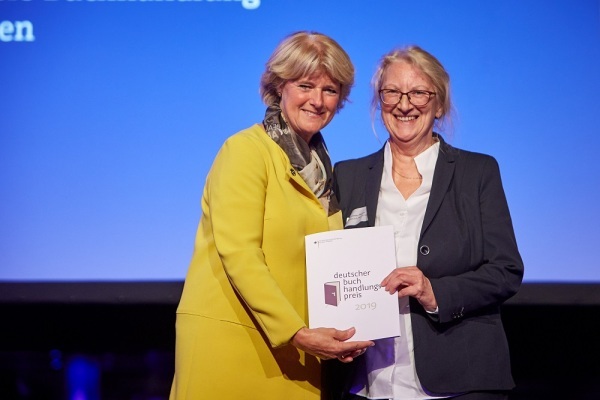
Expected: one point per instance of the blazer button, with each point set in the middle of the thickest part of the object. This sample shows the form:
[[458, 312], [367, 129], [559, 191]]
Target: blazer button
[[424, 250]]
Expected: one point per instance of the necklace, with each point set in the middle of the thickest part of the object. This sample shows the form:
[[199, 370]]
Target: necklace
[[408, 177]]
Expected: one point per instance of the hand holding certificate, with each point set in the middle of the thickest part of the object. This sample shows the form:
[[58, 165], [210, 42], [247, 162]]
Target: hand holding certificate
[[344, 269]]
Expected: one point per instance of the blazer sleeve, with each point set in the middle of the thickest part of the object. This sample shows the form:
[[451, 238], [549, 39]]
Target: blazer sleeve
[[497, 269], [236, 194]]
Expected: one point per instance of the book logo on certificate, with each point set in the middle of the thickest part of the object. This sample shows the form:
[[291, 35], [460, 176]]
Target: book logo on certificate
[[332, 293], [344, 269]]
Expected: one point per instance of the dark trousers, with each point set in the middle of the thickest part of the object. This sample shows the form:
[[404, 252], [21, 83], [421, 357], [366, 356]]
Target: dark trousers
[[482, 396], [467, 396]]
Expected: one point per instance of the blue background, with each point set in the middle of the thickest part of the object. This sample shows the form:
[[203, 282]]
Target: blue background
[[111, 117]]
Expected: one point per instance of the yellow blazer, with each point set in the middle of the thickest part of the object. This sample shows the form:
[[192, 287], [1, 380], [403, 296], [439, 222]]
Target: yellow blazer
[[245, 292]]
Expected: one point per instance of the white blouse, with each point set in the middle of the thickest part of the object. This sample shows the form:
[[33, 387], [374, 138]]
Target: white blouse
[[387, 370]]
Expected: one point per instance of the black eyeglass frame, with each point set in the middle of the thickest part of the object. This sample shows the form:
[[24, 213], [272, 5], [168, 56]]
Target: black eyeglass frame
[[430, 95]]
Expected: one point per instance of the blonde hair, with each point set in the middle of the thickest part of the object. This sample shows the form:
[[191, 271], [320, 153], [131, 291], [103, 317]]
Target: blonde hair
[[435, 71], [301, 54]]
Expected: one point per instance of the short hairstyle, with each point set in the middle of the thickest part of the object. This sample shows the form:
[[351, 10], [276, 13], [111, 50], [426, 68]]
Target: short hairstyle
[[426, 62], [301, 54]]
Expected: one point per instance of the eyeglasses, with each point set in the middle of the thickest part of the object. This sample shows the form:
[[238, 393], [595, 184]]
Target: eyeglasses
[[417, 98]]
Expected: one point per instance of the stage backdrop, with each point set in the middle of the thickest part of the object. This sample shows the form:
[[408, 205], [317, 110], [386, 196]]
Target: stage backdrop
[[113, 110]]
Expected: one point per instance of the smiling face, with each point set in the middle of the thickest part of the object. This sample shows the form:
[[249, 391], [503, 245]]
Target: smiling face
[[308, 104], [409, 126]]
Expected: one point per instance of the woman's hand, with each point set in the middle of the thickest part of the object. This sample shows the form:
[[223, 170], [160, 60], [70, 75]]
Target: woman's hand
[[410, 281], [328, 343]]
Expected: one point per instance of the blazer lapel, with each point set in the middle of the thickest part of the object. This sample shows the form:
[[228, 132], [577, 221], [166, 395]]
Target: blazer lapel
[[442, 176], [373, 184], [299, 183]]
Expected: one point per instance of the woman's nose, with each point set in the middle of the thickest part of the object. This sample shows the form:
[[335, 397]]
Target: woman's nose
[[316, 97], [404, 103]]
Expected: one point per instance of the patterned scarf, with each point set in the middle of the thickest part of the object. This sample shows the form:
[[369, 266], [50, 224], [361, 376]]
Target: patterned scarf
[[311, 160]]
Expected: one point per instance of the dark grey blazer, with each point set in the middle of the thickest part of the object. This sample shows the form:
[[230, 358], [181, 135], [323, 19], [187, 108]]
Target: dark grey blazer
[[468, 250]]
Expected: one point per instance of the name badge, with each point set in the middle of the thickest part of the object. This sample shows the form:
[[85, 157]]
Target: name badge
[[357, 216]]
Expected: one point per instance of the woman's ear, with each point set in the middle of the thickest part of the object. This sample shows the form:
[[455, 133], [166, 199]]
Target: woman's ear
[[280, 89]]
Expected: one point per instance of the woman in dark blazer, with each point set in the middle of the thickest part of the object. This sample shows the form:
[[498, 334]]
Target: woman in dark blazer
[[457, 257]]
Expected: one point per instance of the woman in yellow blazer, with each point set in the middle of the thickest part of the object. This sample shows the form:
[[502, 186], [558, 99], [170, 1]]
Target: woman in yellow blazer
[[241, 322]]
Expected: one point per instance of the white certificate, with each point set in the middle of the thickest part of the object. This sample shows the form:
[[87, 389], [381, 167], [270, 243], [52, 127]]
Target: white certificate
[[344, 269]]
